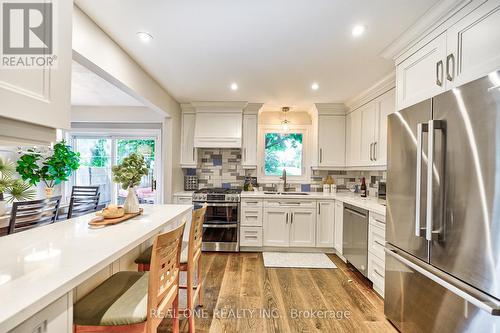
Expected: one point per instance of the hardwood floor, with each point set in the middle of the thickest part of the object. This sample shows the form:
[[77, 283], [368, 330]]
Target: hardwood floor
[[241, 295]]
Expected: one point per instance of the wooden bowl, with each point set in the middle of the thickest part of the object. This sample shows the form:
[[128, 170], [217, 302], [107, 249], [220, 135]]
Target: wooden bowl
[[113, 213]]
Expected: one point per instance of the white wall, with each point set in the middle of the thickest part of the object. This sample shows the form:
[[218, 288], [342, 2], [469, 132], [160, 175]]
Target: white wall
[[94, 49]]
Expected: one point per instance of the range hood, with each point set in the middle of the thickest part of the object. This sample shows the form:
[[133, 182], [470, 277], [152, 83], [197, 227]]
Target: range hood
[[218, 124]]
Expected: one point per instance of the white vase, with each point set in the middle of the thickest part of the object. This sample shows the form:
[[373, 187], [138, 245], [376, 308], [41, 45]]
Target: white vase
[[3, 207], [131, 204]]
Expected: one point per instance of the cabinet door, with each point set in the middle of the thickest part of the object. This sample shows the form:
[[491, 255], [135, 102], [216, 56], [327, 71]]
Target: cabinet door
[[42, 95], [473, 47], [421, 76], [331, 141], [303, 227], [325, 224], [355, 138], [386, 104], [368, 124], [276, 231], [188, 152], [339, 217], [249, 151]]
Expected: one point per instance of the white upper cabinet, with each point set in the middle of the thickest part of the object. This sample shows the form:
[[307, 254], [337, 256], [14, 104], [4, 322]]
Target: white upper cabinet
[[331, 141], [189, 156], [422, 75], [354, 138], [368, 129], [386, 104], [250, 130], [465, 48], [473, 45], [42, 96]]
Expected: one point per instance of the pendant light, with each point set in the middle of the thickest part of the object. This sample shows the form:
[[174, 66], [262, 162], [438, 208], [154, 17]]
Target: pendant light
[[285, 124]]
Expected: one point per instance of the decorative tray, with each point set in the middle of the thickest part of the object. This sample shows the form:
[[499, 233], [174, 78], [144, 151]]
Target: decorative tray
[[99, 221]]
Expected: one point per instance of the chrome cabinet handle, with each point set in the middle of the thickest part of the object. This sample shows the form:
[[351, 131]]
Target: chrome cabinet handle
[[371, 151], [439, 73], [291, 218], [193, 153], [421, 128], [321, 155], [450, 76], [375, 151], [286, 218], [377, 272], [319, 208], [244, 154], [378, 243]]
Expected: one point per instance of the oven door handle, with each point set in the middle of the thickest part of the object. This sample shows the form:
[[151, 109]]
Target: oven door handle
[[217, 204], [221, 226]]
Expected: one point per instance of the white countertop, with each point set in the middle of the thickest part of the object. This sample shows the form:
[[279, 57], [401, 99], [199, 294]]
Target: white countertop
[[370, 203], [40, 265]]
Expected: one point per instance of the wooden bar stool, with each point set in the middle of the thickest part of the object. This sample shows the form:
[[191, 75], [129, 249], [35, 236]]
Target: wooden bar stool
[[136, 301], [189, 261]]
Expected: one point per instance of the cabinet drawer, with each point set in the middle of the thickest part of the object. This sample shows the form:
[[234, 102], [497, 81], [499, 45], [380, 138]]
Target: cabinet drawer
[[184, 200], [376, 241], [251, 216], [251, 203], [290, 203], [377, 219], [376, 274], [251, 236]]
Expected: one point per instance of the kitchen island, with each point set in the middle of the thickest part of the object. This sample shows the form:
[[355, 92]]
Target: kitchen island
[[41, 267]]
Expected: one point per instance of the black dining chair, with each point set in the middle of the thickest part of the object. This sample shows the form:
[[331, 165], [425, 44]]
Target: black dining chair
[[31, 214], [84, 199]]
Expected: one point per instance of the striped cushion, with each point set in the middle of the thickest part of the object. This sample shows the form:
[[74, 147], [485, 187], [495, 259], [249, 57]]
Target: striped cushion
[[120, 300]]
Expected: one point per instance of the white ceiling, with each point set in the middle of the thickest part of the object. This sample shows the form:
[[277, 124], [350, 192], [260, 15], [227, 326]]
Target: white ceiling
[[273, 49], [88, 88]]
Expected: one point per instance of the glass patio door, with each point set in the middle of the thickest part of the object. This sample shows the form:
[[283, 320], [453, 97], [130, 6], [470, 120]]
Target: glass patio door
[[145, 146], [99, 153]]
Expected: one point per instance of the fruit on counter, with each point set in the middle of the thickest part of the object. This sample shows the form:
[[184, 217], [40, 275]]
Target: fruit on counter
[[112, 212]]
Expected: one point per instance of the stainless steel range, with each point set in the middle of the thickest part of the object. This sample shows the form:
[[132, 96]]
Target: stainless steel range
[[222, 220]]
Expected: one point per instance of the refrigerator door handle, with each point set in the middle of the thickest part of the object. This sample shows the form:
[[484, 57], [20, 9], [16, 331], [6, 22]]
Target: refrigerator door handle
[[459, 288], [432, 126], [421, 128]]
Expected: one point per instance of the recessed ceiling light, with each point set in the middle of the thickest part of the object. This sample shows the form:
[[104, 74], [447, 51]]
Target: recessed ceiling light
[[315, 86], [358, 30], [234, 86], [144, 36]]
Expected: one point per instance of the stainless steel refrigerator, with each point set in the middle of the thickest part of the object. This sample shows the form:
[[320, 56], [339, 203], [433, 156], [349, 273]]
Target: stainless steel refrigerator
[[443, 212]]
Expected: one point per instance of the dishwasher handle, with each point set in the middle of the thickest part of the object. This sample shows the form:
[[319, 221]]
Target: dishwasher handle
[[354, 212]]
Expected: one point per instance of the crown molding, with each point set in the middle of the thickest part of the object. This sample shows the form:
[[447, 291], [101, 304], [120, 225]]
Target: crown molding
[[387, 83], [187, 108], [253, 108], [432, 19], [331, 108], [219, 105]]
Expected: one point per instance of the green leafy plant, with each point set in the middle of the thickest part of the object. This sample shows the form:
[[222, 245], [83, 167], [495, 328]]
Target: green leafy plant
[[14, 189], [130, 171], [53, 169]]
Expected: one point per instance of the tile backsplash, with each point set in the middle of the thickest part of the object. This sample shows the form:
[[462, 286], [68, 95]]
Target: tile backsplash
[[221, 167]]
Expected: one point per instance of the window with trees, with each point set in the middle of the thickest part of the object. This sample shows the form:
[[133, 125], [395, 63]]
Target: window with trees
[[283, 151]]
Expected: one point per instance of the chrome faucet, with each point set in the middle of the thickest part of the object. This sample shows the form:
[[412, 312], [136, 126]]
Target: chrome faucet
[[283, 177]]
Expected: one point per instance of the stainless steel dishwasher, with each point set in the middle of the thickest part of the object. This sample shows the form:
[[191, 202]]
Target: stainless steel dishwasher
[[355, 237]]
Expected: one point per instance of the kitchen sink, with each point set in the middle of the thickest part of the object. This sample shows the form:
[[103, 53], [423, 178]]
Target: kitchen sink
[[287, 193]]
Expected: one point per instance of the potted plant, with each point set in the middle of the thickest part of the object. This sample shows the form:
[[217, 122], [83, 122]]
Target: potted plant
[[51, 170], [129, 173], [14, 189]]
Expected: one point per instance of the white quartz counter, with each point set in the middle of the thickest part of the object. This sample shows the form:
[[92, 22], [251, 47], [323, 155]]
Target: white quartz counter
[[40, 265], [370, 203]]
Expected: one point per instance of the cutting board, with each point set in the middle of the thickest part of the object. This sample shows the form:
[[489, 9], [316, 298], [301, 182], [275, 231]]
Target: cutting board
[[98, 221]]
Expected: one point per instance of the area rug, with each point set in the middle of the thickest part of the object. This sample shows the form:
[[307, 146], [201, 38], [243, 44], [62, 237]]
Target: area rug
[[297, 260]]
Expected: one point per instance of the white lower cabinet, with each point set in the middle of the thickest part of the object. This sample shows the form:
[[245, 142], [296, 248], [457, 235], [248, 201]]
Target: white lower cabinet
[[338, 226], [376, 254], [55, 318], [302, 227], [289, 223], [251, 236], [325, 224], [276, 230]]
